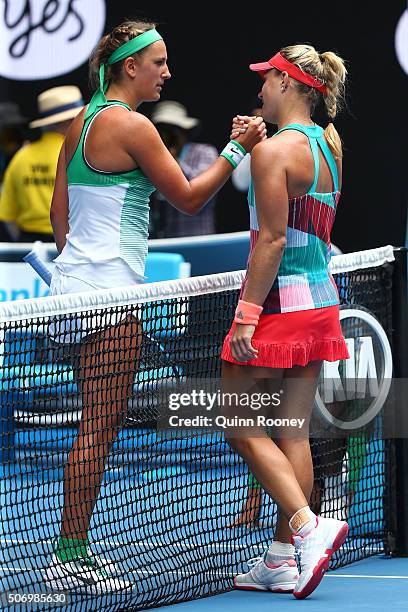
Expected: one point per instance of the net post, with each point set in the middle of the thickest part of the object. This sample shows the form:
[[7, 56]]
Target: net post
[[400, 337]]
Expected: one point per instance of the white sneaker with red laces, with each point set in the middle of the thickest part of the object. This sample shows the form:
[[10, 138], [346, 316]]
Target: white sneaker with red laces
[[315, 551], [279, 578]]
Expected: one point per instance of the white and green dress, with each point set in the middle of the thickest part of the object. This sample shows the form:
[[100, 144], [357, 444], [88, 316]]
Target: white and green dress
[[108, 220]]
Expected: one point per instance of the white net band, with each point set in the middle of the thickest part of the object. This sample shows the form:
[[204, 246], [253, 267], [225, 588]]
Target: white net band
[[199, 285]]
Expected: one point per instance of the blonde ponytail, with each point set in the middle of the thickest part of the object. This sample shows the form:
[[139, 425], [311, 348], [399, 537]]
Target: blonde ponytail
[[334, 76], [328, 68]]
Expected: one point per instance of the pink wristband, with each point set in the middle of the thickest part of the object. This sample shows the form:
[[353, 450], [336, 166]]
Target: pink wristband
[[247, 313]]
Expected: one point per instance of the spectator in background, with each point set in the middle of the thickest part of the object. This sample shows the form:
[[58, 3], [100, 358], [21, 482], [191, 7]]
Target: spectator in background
[[174, 126], [13, 128], [29, 179]]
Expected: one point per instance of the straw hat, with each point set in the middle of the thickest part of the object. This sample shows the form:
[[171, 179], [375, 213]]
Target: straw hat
[[58, 104], [173, 113]]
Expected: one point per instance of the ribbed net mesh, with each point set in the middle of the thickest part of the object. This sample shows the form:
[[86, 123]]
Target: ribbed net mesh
[[81, 390]]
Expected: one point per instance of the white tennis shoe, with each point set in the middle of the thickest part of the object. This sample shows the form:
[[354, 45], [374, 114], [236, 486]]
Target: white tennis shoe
[[279, 578], [88, 575], [315, 551]]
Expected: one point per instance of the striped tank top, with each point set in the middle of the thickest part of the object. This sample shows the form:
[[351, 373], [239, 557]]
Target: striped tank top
[[303, 281], [108, 211]]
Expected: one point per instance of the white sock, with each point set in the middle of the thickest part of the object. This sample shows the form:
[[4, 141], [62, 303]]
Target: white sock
[[303, 521], [278, 552]]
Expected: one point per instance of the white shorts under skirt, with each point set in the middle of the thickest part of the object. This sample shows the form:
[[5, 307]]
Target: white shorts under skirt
[[76, 278]]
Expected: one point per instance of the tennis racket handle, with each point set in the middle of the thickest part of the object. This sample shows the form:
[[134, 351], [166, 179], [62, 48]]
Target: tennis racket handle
[[39, 266]]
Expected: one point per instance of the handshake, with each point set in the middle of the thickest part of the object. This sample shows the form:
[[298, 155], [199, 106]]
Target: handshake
[[248, 131]]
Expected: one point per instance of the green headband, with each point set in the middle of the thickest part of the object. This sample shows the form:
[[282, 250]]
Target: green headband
[[128, 48]]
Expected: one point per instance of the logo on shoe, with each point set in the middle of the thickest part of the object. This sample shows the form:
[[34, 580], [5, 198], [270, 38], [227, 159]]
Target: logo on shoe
[[42, 39]]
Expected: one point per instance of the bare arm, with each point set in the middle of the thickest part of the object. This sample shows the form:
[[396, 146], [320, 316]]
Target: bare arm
[[59, 203], [268, 171], [150, 153]]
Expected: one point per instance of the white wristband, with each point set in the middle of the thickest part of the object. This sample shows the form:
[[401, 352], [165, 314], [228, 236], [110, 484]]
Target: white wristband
[[234, 153]]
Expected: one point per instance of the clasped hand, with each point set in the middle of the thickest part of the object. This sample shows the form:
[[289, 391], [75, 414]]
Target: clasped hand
[[240, 125], [248, 131]]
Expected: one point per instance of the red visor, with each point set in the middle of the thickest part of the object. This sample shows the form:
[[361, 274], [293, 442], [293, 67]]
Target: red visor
[[282, 64]]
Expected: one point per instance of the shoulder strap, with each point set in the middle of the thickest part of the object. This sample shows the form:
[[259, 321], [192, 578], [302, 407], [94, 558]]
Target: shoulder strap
[[331, 162], [312, 132], [86, 128], [315, 152], [315, 135], [118, 103], [108, 104], [79, 153]]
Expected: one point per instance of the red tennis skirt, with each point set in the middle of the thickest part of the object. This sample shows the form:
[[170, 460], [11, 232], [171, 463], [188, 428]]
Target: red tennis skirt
[[294, 338]]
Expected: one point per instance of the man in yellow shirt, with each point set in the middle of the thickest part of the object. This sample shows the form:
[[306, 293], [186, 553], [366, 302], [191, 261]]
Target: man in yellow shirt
[[29, 179]]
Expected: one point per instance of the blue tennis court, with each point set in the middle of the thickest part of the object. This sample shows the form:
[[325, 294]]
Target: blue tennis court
[[371, 585], [158, 525], [125, 536]]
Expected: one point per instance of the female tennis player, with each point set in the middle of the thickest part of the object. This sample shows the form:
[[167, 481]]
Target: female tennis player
[[287, 320], [111, 161]]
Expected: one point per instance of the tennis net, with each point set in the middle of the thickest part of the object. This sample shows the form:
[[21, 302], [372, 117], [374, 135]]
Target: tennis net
[[168, 503]]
